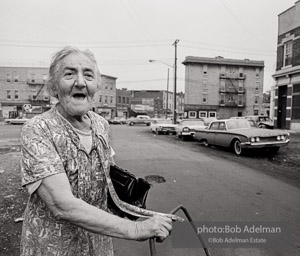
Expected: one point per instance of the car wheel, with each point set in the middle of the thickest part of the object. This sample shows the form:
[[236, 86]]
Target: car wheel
[[237, 147], [131, 123], [205, 143], [262, 126]]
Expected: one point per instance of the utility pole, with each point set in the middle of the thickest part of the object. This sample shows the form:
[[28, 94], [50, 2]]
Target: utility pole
[[167, 107], [175, 82]]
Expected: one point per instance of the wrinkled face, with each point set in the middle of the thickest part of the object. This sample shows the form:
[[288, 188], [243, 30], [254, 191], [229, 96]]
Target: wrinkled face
[[77, 84]]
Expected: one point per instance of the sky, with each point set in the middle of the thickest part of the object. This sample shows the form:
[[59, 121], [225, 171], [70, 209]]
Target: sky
[[125, 34]]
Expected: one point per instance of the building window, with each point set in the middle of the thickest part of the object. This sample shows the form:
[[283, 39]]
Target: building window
[[8, 78], [106, 86], [230, 98], [204, 97], [111, 99], [127, 100], [8, 94], [33, 93], [16, 79], [100, 98], [241, 86], [240, 100], [296, 102], [257, 72], [222, 85], [105, 99], [256, 112], [202, 114], [32, 78], [256, 100], [16, 94], [222, 100], [212, 114], [46, 96], [288, 46], [204, 83], [204, 71], [123, 98], [192, 114]]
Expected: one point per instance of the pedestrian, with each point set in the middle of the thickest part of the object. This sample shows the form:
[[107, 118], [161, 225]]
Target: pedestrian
[[65, 154]]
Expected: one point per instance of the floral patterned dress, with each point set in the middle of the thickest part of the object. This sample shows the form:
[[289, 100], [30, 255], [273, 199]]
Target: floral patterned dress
[[51, 146]]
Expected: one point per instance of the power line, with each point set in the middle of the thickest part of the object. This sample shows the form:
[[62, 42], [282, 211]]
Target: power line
[[238, 21]]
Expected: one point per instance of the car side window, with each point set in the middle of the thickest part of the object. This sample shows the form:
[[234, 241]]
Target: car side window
[[222, 126], [214, 126]]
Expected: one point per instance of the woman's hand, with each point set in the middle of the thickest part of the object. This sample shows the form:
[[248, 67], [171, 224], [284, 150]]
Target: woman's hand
[[158, 227]]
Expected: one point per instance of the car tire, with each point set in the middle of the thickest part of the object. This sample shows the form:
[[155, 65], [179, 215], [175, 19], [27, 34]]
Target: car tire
[[131, 123], [205, 143], [237, 147]]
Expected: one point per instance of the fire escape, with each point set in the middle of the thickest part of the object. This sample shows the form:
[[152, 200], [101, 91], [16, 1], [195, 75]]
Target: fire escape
[[232, 91]]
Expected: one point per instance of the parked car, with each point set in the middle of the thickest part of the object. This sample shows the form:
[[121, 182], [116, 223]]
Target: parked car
[[18, 120], [117, 120], [262, 121], [163, 126], [239, 135], [140, 119], [185, 129]]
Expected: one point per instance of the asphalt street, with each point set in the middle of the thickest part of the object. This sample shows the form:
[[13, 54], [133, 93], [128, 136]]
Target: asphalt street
[[211, 187]]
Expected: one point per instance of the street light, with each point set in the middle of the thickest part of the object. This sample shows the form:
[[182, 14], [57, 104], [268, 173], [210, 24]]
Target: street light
[[167, 102]]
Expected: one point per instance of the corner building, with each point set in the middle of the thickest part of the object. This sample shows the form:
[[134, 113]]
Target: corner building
[[287, 75]]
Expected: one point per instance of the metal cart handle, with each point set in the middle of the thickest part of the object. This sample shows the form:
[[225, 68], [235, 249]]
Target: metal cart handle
[[185, 211]]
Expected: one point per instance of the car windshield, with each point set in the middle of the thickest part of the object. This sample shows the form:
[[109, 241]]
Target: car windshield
[[237, 124], [193, 122], [163, 121]]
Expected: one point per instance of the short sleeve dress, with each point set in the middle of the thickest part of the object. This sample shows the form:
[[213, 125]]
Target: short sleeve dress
[[50, 146]]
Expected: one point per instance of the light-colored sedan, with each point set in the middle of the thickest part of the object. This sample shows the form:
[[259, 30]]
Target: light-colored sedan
[[162, 126], [18, 120], [185, 129], [239, 135]]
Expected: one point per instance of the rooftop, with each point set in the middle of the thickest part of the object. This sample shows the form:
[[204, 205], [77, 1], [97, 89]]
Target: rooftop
[[219, 60]]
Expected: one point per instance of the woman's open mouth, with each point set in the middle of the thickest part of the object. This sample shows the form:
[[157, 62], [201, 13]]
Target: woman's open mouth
[[79, 96]]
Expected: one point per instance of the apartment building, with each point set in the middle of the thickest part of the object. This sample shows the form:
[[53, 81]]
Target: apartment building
[[287, 75], [105, 98], [123, 102], [23, 91], [222, 88]]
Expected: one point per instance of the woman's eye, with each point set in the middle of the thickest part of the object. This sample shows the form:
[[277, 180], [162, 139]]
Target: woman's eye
[[69, 74], [89, 76]]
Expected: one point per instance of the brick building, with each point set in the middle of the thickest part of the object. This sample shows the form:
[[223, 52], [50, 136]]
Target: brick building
[[287, 75], [23, 86], [123, 102], [222, 88], [105, 99]]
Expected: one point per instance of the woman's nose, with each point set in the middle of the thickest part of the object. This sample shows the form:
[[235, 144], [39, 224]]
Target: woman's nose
[[80, 81]]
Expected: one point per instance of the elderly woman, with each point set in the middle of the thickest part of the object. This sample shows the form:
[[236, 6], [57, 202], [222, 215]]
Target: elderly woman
[[65, 152]]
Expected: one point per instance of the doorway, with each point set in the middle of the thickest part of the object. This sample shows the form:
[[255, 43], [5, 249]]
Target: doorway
[[281, 110]]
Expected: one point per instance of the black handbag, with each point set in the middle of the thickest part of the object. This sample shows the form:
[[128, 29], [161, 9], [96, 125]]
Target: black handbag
[[129, 188]]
